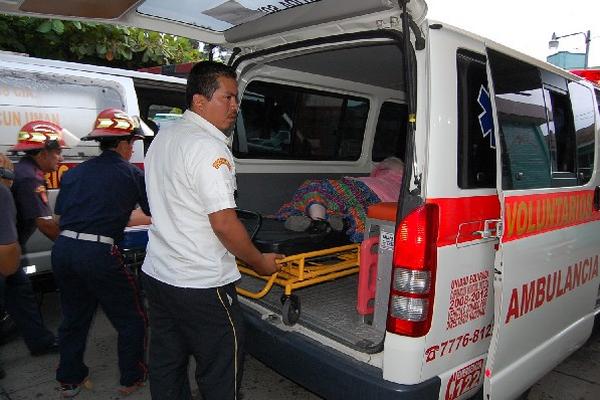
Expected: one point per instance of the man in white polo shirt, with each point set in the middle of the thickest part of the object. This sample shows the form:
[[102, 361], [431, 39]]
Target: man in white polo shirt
[[190, 269]]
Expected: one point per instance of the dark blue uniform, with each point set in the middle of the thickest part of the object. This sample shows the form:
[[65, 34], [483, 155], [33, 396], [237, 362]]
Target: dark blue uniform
[[97, 198], [8, 217], [29, 192]]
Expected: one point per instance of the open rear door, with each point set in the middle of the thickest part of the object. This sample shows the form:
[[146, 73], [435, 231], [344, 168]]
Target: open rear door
[[546, 266]]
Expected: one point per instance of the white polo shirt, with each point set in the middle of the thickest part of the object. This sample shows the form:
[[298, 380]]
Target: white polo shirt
[[189, 174]]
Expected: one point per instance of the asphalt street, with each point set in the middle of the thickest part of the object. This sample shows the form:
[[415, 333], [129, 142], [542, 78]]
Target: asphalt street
[[577, 378]]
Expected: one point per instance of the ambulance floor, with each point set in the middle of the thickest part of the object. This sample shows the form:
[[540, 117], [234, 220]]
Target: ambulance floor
[[328, 308]]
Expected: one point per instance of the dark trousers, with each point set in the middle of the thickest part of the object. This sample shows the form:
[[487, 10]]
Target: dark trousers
[[89, 273], [204, 323], [20, 303]]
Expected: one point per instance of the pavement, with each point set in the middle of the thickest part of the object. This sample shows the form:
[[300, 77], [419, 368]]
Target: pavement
[[28, 378]]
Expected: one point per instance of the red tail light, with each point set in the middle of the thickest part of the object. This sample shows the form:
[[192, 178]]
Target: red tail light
[[414, 267]]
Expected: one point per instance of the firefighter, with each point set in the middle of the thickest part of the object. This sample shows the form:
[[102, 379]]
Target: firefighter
[[42, 143], [94, 205]]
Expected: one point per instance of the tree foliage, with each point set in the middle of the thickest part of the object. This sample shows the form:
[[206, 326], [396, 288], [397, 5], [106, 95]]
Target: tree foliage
[[94, 43]]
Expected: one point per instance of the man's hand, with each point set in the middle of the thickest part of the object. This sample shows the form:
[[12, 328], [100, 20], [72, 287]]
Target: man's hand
[[269, 265], [10, 258], [48, 226], [138, 217]]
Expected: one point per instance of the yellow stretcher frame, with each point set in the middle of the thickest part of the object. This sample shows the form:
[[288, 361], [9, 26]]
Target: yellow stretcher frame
[[300, 270]]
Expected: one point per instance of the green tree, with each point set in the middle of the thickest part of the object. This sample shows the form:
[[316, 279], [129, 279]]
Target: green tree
[[94, 43]]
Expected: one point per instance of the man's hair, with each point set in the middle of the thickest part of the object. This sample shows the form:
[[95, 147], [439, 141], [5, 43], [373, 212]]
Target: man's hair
[[110, 143], [203, 79]]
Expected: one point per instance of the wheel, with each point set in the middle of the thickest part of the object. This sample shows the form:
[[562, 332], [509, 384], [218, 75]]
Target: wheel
[[290, 311]]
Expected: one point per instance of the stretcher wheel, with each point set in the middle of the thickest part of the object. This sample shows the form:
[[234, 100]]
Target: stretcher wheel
[[291, 309]]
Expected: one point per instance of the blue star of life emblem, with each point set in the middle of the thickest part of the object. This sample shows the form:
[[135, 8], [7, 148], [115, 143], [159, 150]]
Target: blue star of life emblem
[[485, 118]]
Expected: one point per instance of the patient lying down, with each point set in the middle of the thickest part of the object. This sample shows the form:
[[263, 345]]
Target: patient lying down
[[341, 204]]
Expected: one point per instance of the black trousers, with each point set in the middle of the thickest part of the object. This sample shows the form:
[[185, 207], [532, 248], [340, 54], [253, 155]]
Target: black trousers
[[89, 273], [204, 323], [20, 303]]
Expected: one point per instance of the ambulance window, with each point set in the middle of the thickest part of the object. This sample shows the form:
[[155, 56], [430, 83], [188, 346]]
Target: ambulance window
[[390, 135], [582, 102], [561, 135], [522, 117], [476, 146], [285, 122]]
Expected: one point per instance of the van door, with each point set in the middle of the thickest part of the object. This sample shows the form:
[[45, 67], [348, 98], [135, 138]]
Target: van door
[[546, 266]]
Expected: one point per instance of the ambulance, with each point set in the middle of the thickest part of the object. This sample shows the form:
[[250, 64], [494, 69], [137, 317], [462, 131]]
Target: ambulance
[[72, 94], [487, 266]]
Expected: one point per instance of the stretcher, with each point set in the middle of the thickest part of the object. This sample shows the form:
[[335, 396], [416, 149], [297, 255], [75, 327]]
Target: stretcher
[[311, 258]]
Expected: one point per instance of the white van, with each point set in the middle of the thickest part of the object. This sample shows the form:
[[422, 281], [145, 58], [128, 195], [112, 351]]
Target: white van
[[71, 95], [492, 254]]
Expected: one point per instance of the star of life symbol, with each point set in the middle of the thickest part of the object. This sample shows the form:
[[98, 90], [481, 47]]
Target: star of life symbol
[[485, 118]]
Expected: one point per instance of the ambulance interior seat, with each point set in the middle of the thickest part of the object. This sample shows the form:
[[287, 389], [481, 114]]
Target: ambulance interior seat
[[270, 236]]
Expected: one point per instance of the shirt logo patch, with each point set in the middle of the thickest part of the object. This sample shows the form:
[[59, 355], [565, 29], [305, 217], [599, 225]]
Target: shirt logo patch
[[41, 190], [221, 161]]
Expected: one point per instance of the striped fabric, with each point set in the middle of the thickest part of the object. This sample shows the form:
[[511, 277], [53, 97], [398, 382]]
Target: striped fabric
[[346, 197]]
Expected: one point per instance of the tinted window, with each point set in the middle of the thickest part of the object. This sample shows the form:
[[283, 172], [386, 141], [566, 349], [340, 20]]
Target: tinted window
[[390, 136], [583, 115], [560, 128], [520, 104], [278, 121], [476, 143], [546, 126]]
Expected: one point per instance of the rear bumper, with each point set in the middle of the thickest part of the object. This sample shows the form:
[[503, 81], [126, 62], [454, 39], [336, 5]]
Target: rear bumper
[[323, 370]]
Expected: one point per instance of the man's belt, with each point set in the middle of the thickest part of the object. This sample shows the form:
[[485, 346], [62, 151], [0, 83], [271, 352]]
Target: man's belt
[[88, 237]]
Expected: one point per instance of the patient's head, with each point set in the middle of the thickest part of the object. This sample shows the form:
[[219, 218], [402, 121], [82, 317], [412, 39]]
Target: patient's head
[[391, 165]]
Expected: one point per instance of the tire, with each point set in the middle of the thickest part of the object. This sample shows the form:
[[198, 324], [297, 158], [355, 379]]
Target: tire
[[290, 312]]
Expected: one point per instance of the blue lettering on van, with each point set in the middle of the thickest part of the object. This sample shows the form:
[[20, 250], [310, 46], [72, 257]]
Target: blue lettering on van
[[485, 118]]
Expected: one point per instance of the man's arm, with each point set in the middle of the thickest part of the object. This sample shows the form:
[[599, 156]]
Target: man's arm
[[10, 258], [234, 237], [48, 226], [138, 217]]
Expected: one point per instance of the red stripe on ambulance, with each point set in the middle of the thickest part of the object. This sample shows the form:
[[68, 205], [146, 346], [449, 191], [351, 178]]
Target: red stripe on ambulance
[[461, 217], [528, 215]]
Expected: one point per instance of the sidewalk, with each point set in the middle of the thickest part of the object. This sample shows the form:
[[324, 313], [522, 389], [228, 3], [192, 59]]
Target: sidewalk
[[30, 378]]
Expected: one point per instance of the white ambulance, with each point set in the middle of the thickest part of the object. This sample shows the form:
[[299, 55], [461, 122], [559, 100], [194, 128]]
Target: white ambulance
[[491, 254], [72, 94]]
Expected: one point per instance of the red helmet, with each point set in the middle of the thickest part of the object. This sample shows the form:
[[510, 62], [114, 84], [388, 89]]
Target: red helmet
[[39, 135], [113, 123]]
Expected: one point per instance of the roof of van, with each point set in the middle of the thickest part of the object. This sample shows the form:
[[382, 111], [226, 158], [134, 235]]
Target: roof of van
[[26, 60], [219, 22]]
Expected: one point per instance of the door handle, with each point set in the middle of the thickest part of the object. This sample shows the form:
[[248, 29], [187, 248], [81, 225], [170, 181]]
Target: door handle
[[492, 228]]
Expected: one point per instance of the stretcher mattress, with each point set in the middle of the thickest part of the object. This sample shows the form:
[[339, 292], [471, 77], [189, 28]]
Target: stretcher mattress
[[272, 237]]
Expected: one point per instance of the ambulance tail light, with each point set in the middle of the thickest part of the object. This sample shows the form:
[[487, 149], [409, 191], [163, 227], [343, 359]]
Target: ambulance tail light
[[414, 267]]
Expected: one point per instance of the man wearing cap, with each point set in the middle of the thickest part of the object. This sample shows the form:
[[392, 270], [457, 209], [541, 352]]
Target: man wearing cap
[[42, 143], [94, 206]]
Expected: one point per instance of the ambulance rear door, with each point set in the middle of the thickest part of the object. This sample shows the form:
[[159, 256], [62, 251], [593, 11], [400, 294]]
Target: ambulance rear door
[[546, 266]]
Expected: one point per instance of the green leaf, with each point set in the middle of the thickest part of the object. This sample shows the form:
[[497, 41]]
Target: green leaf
[[58, 26], [45, 26], [126, 53]]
